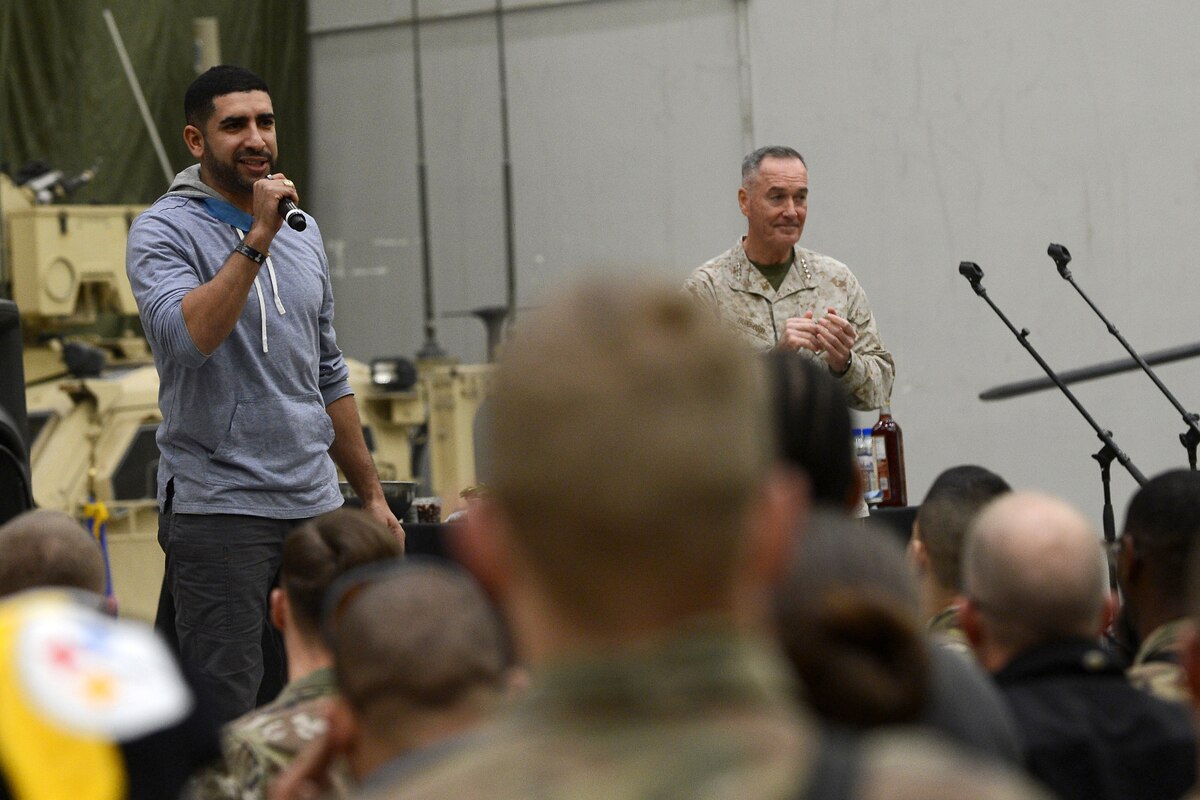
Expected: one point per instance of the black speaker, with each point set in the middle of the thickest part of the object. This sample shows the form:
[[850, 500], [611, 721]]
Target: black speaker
[[15, 491]]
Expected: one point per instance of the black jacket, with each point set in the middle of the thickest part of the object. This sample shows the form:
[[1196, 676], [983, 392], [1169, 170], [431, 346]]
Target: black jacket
[[1089, 734]]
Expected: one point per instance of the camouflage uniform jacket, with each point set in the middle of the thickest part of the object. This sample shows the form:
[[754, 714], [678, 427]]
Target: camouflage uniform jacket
[[741, 297], [1156, 668], [258, 746], [708, 714]]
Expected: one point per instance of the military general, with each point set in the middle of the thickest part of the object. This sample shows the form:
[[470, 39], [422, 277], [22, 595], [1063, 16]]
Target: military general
[[776, 294]]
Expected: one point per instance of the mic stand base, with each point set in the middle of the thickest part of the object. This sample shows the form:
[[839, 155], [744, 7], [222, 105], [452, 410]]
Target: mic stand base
[[431, 350]]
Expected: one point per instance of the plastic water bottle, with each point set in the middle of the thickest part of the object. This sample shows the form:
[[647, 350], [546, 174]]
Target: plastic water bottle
[[866, 464]]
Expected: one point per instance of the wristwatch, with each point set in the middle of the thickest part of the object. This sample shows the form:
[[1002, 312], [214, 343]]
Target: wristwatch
[[849, 361]]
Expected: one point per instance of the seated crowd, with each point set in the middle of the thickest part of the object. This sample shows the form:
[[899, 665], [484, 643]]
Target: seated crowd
[[666, 593]]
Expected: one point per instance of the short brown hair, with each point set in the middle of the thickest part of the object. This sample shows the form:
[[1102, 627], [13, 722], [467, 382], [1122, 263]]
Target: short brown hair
[[630, 433], [317, 552], [846, 615], [48, 548], [420, 635]]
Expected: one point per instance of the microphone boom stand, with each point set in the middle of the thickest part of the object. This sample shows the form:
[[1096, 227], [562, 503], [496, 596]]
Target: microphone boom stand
[[510, 252], [1189, 438], [430, 349], [974, 275]]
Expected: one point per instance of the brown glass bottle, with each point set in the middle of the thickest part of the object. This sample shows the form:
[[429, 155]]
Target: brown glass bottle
[[887, 440]]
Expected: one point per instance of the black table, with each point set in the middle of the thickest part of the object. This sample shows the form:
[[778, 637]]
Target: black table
[[897, 519]]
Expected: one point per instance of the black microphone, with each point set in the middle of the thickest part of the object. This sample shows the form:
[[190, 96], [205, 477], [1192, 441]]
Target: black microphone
[[292, 214], [1062, 257], [973, 273]]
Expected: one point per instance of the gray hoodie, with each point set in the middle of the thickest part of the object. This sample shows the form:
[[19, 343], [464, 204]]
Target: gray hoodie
[[245, 430]]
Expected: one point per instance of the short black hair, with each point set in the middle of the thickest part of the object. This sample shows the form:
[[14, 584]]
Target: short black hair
[[1163, 520], [223, 79], [956, 497], [752, 161], [812, 425]]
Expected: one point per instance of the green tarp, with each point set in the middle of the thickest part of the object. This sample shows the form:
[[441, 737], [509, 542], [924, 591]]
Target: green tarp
[[65, 99]]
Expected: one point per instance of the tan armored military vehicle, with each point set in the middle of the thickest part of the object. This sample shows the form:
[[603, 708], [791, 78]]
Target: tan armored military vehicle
[[92, 432]]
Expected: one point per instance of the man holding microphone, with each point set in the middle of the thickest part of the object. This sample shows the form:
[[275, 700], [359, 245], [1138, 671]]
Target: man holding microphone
[[254, 392]]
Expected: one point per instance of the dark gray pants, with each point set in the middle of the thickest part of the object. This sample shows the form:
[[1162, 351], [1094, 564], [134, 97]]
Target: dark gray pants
[[220, 569]]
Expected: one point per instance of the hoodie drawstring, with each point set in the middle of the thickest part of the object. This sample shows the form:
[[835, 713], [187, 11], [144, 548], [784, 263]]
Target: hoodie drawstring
[[262, 302]]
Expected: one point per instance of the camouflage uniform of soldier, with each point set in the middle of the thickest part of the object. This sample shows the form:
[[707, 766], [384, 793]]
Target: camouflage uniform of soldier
[[739, 294], [649, 679], [1157, 667], [257, 747], [599, 728], [722, 706]]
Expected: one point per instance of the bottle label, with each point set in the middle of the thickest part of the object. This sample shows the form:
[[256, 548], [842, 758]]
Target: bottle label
[[879, 450]]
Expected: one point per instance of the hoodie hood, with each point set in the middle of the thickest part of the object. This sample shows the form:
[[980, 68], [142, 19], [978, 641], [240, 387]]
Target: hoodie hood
[[188, 184]]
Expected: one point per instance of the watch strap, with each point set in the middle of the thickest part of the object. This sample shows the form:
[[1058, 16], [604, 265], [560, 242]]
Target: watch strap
[[249, 252]]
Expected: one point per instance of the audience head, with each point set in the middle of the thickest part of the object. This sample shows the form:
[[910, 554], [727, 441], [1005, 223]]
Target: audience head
[[1161, 526], [952, 502], [317, 552], [812, 422], [630, 440], [48, 548], [846, 614], [1190, 645], [1034, 572], [418, 651]]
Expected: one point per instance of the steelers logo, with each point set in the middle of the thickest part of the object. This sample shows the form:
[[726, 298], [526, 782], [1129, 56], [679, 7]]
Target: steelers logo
[[94, 675]]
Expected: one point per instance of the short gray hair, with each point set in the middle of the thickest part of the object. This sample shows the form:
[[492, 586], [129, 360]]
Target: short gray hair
[[752, 161]]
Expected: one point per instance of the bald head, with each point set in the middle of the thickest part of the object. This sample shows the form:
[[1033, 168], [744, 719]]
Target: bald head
[[48, 548], [1035, 569]]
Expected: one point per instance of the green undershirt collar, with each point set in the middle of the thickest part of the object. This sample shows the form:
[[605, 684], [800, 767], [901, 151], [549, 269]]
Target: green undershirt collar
[[774, 273]]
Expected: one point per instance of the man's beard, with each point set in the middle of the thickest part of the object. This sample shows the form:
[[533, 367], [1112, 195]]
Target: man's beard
[[224, 175]]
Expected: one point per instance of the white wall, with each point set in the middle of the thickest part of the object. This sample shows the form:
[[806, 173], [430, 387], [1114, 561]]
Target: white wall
[[935, 132]]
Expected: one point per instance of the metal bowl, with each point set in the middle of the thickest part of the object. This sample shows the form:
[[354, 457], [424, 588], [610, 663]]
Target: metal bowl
[[399, 496]]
